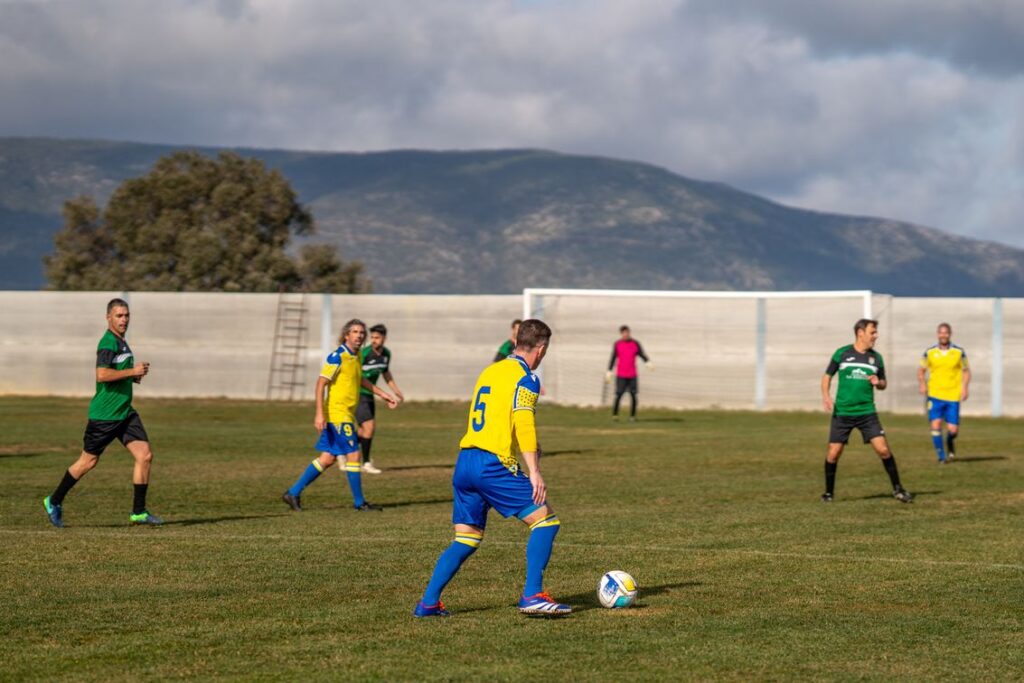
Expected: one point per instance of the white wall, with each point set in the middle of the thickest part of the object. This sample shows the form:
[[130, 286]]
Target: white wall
[[205, 345]]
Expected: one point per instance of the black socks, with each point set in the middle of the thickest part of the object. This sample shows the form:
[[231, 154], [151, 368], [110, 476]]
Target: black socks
[[950, 442], [57, 497], [830, 476], [139, 504], [890, 469], [365, 445]]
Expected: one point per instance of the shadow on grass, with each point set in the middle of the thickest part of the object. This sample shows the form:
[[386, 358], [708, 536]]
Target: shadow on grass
[[26, 454], [581, 602], [660, 419], [407, 503], [217, 520], [977, 458], [190, 522], [445, 466], [567, 451], [917, 494]]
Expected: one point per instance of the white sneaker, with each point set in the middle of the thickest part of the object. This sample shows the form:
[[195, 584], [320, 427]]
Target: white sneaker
[[369, 468]]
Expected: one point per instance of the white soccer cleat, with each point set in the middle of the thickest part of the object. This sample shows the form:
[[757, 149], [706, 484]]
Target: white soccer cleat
[[369, 468]]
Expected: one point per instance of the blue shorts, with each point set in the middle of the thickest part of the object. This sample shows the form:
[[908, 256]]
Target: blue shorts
[[944, 410], [481, 482], [340, 439]]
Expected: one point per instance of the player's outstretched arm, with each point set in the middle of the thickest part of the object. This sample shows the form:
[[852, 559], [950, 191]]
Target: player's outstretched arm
[[112, 375], [319, 422], [377, 391], [390, 379]]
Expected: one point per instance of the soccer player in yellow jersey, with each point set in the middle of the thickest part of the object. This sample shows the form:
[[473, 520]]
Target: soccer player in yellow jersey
[[340, 380], [949, 379], [487, 474]]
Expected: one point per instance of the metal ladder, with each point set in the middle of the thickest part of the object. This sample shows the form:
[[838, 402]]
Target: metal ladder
[[289, 344]]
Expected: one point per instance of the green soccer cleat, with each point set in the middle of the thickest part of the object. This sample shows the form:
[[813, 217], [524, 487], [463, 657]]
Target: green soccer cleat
[[146, 519], [54, 512]]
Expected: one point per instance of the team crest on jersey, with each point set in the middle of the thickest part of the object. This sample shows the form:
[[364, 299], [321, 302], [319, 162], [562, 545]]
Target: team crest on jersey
[[871, 360], [120, 358]]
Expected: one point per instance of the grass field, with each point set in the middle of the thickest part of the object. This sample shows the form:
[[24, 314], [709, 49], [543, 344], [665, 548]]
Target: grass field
[[744, 574]]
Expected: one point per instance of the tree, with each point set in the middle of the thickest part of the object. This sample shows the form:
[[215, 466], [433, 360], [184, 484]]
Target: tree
[[195, 223]]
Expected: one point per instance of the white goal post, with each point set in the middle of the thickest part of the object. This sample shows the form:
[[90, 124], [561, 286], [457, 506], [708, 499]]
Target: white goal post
[[724, 349]]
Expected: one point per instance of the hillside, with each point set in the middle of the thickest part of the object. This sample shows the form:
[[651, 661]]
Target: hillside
[[496, 221]]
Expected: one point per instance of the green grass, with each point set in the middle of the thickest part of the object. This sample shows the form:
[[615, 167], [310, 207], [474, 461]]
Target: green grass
[[743, 573]]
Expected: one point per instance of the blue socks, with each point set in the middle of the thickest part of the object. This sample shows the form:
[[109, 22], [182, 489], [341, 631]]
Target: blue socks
[[313, 470], [538, 552], [355, 482], [937, 442], [464, 545]]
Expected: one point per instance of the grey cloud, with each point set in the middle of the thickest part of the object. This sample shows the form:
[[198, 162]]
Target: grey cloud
[[986, 35], [738, 97]]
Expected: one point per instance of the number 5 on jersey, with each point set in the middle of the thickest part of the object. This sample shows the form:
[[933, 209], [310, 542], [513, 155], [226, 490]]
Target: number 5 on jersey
[[479, 409]]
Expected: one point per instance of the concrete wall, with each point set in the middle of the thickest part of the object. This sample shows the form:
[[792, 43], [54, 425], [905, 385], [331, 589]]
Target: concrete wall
[[704, 350]]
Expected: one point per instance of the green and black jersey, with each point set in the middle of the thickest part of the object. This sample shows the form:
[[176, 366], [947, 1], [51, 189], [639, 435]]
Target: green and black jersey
[[505, 350], [855, 394], [113, 400], [374, 365]]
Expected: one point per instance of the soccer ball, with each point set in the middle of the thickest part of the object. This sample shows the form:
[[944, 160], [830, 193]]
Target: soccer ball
[[616, 589]]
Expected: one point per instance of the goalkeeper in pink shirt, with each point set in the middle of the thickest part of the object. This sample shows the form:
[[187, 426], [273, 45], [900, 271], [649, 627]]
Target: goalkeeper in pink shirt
[[624, 354]]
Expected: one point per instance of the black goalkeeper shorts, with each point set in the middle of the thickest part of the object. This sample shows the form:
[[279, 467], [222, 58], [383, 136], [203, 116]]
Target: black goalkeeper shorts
[[101, 433], [869, 426]]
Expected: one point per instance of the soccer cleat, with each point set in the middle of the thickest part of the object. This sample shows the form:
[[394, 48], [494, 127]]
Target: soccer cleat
[[950, 454], [542, 605], [902, 495], [54, 512], [437, 610], [292, 501], [368, 507], [144, 518], [369, 468], [826, 498]]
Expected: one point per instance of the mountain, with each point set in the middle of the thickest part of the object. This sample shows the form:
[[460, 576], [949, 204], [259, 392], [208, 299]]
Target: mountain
[[497, 221]]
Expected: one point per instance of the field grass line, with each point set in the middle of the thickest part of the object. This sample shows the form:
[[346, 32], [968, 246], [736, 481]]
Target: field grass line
[[439, 539]]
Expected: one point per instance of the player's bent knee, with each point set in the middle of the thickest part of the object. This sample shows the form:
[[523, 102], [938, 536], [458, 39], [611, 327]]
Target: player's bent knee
[[550, 520]]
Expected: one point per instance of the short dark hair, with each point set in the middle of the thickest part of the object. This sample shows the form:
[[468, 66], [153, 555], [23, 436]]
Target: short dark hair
[[116, 303], [347, 327], [946, 325], [532, 333], [515, 322], [863, 324], [380, 329], [624, 328]]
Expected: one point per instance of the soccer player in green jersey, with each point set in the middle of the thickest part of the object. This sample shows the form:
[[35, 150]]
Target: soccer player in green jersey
[[376, 362], [861, 371], [509, 345], [111, 416]]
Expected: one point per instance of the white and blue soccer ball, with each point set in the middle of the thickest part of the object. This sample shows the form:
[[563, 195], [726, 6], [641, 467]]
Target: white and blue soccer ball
[[616, 590]]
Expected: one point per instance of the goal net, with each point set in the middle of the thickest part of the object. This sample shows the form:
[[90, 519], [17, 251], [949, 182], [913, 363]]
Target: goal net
[[734, 350]]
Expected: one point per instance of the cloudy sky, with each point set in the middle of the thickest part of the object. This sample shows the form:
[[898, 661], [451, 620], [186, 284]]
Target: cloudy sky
[[909, 109]]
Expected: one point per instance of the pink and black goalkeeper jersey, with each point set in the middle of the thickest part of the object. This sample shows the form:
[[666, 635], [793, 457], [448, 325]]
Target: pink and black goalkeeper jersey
[[625, 352]]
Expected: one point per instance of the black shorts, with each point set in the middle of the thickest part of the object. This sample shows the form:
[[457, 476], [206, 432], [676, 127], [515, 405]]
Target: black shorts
[[366, 410], [624, 384], [869, 426], [101, 433]]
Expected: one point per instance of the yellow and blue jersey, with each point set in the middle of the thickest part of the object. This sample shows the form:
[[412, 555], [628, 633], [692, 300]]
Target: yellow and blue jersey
[[945, 371], [504, 401], [343, 371]]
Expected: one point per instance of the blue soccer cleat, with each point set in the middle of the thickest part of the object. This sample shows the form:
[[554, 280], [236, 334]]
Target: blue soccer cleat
[[54, 512], [144, 518], [437, 610], [542, 605]]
